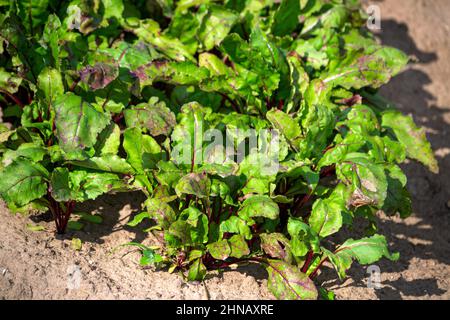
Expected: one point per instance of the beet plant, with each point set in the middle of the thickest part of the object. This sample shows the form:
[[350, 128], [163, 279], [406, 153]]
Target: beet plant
[[254, 127]]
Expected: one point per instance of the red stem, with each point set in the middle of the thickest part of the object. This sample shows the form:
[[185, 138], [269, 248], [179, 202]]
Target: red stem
[[233, 105], [118, 117], [60, 216], [316, 270], [280, 105], [328, 171], [74, 84], [309, 258], [12, 97]]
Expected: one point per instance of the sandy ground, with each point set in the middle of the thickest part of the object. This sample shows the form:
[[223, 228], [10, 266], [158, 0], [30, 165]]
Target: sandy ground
[[39, 265]]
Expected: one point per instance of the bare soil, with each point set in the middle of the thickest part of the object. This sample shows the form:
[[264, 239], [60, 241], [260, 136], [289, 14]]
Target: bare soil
[[40, 265]]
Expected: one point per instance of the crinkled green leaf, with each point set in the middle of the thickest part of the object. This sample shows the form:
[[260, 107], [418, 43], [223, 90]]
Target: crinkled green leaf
[[287, 282], [303, 237], [239, 246], [286, 18], [276, 246], [160, 211], [197, 271], [326, 214], [51, 85], [366, 251], [22, 182], [194, 184], [82, 185], [236, 225], [78, 124], [413, 138], [9, 82], [373, 66], [219, 250], [153, 116], [215, 26], [259, 206]]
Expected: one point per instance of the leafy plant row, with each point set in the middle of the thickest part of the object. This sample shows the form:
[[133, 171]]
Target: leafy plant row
[[109, 96]]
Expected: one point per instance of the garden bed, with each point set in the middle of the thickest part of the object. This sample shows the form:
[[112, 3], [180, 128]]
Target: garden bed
[[34, 265]]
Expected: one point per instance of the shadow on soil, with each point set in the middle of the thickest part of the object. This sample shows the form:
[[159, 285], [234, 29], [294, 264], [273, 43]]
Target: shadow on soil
[[115, 209]]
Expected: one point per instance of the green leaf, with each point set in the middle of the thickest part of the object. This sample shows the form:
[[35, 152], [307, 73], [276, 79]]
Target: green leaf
[[92, 218], [287, 126], [413, 138], [51, 36], [138, 219], [199, 224], [398, 198], [213, 64], [99, 75], [287, 282], [50, 84], [143, 152], [177, 73], [239, 246], [235, 225], [22, 182], [75, 225], [161, 212], [31, 151], [286, 18], [108, 142], [195, 184], [9, 82], [366, 251], [303, 237], [259, 206], [82, 185], [78, 124], [219, 250], [182, 231], [216, 25], [107, 163], [35, 227], [327, 295], [187, 136], [276, 246], [149, 31], [153, 116], [150, 257], [368, 179], [76, 244], [326, 215], [373, 66], [197, 271]]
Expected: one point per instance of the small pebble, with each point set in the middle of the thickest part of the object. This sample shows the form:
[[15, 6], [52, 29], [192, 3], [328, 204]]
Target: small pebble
[[448, 204]]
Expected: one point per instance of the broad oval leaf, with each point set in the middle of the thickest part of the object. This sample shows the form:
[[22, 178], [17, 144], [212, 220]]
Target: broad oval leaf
[[239, 246], [22, 182], [287, 282], [259, 206], [153, 116], [195, 184], [413, 138], [219, 250], [78, 124]]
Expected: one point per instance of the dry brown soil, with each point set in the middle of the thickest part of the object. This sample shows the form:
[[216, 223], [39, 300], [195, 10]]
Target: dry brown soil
[[37, 265]]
